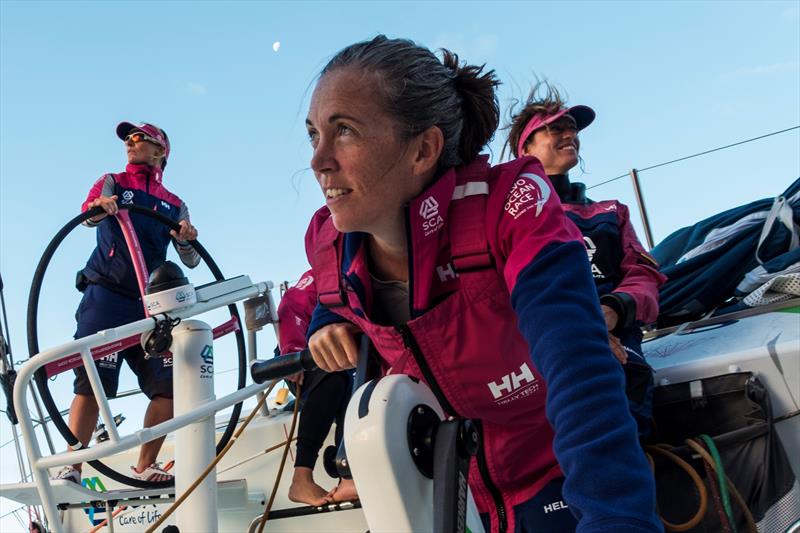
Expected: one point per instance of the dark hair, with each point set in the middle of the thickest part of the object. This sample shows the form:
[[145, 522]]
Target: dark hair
[[545, 99], [420, 91]]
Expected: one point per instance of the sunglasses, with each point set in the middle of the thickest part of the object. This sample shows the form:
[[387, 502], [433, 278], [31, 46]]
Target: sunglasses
[[138, 137]]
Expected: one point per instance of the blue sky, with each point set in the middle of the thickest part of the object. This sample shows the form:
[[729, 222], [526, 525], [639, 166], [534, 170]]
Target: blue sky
[[667, 79]]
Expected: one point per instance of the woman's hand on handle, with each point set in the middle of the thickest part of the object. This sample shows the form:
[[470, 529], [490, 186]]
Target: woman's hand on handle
[[334, 347], [187, 232], [108, 203]]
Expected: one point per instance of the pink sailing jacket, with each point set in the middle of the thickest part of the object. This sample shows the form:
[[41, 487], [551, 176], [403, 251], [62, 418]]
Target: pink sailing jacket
[[498, 280], [294, 313]]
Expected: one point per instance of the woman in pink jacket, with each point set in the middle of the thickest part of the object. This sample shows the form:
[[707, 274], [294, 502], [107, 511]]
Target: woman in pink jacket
[[626, 276], [470, 278]]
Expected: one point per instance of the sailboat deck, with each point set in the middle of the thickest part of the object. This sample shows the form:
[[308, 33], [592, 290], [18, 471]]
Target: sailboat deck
[[231, 494]]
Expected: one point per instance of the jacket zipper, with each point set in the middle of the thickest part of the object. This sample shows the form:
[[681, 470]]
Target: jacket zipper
[[483, 468], [410, 263], [411, 343]]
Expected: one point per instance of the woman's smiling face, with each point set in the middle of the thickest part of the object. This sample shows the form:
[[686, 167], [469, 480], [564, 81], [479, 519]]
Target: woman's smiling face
[[360, 161], [557, 146]]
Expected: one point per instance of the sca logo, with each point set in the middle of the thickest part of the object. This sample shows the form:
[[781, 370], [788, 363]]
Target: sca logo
[[207, 368], [127, 197], [429, 210], [591, 249], [182, 296]]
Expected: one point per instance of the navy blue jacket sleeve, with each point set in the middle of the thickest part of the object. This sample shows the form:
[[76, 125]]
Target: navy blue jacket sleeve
[[320, 318], [608, 486]]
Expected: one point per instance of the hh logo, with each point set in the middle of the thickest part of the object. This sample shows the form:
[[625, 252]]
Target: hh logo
[[109, 361], [127, 197], [514, 383], [446, 272]]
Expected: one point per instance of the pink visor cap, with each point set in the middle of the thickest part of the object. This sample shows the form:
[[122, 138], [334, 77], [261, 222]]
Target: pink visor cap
[[125, 128], [583, 115]]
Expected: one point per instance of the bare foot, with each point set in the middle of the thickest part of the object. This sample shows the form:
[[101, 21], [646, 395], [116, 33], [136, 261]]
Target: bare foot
[[304, 490], [345, 491]]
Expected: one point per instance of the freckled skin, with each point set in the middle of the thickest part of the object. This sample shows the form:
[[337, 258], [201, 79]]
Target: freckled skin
[[356, 148]]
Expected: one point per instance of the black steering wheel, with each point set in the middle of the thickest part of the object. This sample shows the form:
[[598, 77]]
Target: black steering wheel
[[41, 376]]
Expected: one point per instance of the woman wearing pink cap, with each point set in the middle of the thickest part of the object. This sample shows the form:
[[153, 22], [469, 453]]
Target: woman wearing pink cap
[[111, 295], [626, 276]]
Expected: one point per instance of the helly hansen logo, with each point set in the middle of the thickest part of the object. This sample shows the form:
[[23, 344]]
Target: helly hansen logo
[[109, 361], [446, 272], [514, 385], [555, 506], [429, 210]]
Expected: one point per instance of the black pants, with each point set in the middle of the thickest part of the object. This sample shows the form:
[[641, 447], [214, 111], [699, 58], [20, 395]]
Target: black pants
[[325, 402]]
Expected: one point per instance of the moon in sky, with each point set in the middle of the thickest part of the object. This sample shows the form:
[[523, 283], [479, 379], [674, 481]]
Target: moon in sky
[[276, 45]]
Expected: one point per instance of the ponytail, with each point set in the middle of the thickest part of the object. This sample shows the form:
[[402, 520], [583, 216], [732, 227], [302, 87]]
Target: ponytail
[[481, 111]]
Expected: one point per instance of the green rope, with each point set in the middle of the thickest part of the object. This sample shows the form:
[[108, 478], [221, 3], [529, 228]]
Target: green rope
[[723, 486]]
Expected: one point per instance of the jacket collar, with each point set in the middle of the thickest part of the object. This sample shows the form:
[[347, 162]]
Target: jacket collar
[[141, 173], [569, 193], [428, 241]]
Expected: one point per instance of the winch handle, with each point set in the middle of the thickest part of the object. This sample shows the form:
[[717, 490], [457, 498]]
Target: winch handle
[[281, 367]]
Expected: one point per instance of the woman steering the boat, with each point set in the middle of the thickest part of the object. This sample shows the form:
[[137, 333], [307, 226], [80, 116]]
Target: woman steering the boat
[[625, 275], [324, 396], [111, 294], [471, 278]]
